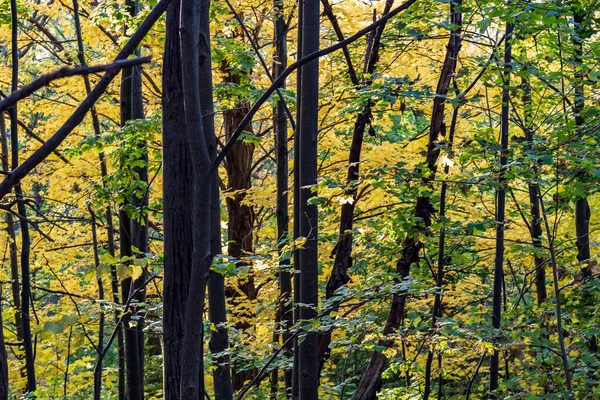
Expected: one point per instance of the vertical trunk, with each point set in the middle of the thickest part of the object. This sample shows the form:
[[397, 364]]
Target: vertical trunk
[[25, 239], [219, 341], [98, 369], [194, 42], [308, 213], [343, 249], [241, 221], [177, 204], [4, 384], [133, 233], [582, 208], [296, 204], [534, 203], [370, 380], [285, 314], [501, 208], [12, 238]]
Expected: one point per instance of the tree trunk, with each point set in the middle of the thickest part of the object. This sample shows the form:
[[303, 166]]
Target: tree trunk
[[285, 313], [308, 213], [240, 226], [370, 381], [25, 239], [133, 233], [219, 340], [178, 206], [501, 208], [4, 384]]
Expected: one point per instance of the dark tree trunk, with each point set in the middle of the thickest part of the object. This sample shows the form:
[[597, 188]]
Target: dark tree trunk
[[4, 384], [308, 213], [285, 313], [98, 369], [12, 237], [343, 248], [178, 205], [296, 204], [238, 164], [133, 233], [370, 380], [534, 201], [219, 341], [582, 207], [194, 42], [25, 239], [501, 207]]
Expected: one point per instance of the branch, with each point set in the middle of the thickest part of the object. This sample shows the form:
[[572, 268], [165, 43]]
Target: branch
[[64, 72], [78, 115], [283, 76]]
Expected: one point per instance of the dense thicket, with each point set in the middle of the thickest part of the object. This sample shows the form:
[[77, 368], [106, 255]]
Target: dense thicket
[[314, 199]]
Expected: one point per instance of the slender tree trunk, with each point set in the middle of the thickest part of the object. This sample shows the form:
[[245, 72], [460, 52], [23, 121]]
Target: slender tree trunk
[[343, 248], [370, 381], [219, 340], [133, 233], [178, 207], [296, 204], [582, 208], [308, 213], [98, 370], [534, 202], [285, 314], [12, 238], [4, 384], [501, 209], [25, 239]]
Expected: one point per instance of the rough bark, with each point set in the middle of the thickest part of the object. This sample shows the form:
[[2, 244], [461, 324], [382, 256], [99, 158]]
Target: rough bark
[[177, 203], [370, 381], [307, 212], [194, 43], [240, 227]]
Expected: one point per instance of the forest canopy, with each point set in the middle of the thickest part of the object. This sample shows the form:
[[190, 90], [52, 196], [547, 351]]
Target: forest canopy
[[312, 199]]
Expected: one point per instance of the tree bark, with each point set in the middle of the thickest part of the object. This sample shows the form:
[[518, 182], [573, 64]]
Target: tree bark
[[501, 208], [285, 312], [25, 238], [4, 384], [308, 213], [133, 234], [370, 381], [178, 207]]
